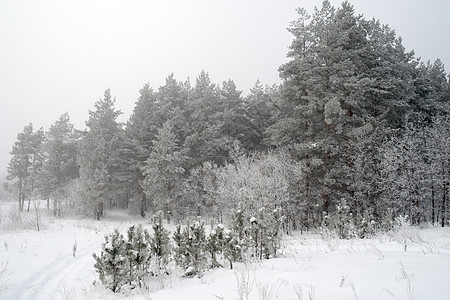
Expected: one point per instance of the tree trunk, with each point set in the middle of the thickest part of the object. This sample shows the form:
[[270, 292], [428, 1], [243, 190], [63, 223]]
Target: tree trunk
[[433, 205], [21, 197], [99, 212], [55, 208], [143, 205], [444, 204]]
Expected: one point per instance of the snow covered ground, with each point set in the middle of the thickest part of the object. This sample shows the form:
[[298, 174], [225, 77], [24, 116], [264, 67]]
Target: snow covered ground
[[41, 265]]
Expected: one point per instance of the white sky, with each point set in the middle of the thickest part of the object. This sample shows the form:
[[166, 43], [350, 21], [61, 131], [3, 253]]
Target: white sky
[[58, 56]]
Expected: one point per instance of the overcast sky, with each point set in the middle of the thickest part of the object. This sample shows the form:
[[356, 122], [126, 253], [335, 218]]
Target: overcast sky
[[58, 56]]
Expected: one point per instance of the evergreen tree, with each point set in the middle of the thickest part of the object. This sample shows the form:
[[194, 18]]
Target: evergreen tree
[[60, 165], [204, 140], [140, 132], [26, 164], [215, 245], [160, 244], [191, 248], [163, 170], [258, 107], [138, 253], [111, 265], [347, 78], [98, 156]]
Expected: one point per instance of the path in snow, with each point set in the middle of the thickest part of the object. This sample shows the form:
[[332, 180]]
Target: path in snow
[[64, 274]]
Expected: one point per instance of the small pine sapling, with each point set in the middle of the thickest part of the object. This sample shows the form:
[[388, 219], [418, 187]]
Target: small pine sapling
[[387, 222], [190, 248], [256, 235], [326, 226], [180, 237], [111, 265], [214, 245], [232, 249], [345, 226], [196, 246], [160, 244], [366, 226], [138, 254], [238, 223], [274, 234]]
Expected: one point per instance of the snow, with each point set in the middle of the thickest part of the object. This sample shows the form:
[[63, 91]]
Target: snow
[[41, 266]]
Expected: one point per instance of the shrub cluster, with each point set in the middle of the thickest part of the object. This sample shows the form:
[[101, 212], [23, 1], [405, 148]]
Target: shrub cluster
[[131, 260], [345, 225], [140, 256]]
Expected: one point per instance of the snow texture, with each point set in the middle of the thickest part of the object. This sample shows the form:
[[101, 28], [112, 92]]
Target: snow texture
[[41, 265]]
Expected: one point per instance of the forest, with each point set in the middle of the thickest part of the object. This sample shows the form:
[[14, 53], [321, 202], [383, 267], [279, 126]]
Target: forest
[[358, 132]]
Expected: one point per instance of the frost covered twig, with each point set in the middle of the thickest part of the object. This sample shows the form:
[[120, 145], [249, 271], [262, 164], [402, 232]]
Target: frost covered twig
[[245, 282], [267, 291]]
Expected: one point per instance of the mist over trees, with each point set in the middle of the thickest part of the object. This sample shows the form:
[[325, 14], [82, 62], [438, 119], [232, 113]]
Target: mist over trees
[[357, 120]]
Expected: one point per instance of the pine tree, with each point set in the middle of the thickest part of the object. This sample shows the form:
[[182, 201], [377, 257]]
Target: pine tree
[[232, 247], [336, 94], [140, 132], [160, 244], [215, 245], [191, 248], [60, 166], [163, 170], [205, 140], [26, 164], [112, 264], [98, 156], [139, 254]]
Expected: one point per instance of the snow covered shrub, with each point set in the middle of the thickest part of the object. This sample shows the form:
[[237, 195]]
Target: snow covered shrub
[[257, 236], [180, 237], [112, 265], [387, 222], [366, 226], [160, 244], [344, 226], [191, 248], [326, 230], [232, 247], [215, 244], [238, 222], [138, 254], [404, 233], [274, 234], [265, 233]]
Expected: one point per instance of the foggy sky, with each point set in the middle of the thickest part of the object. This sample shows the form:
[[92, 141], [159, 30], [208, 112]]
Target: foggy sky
[[59, 56]]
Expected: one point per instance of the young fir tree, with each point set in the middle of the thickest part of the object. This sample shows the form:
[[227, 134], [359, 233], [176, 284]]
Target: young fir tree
[[344, 225], [160, 244], [139, 254], [112, 264], [215, 245], [180, 237], [232, 247], [191, 248]]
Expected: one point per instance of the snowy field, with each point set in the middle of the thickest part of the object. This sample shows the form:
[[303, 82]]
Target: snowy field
[[40, 265]]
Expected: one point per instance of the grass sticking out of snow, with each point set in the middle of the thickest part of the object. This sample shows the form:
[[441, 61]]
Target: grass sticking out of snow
[[41, 265]]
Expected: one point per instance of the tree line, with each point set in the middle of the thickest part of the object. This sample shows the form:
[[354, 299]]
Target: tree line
[[357, 118]]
